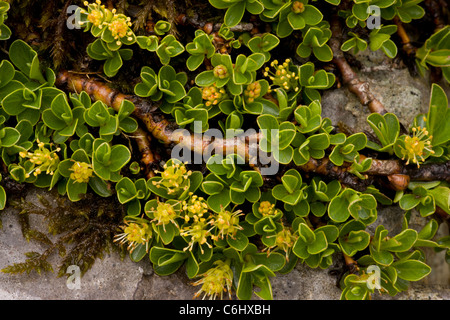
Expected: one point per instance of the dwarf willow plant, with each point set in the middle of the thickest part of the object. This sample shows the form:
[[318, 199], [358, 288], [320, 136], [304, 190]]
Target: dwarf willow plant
[[231, 228]]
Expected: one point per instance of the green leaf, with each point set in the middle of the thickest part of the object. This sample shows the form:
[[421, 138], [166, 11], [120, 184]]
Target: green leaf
[[360, 11], [409, 201], [297, 21], [389, 48], [235, 13], [338, 210], [319, 244], [120, 155], [2, 198], [239, 242], [312, 15], [6, 73], [26, 60], [75, 190], [438, 116], [306, 234], [9, 137], [411, 270], [206, 78], [113, 64]]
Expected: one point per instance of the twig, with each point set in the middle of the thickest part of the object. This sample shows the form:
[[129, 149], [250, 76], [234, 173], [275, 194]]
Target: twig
[[148, 158], [325, 167], [349, 77], [406, 42]]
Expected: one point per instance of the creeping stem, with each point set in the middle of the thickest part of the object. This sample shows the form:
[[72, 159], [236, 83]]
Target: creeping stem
[[349, 77], [156, 124]]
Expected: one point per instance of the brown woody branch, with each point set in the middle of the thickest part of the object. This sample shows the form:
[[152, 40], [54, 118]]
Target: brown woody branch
[[349, 77], [406, 41]]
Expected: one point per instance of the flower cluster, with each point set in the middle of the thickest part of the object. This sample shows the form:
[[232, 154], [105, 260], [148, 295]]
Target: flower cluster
[[266, 208], [220, 71], [285, 240], [215, 281], [41, 160], [298, 7], [164, 213], [213, 95], [119, 27], [416, 146], [174, 178], [282, 77], [252, 92], [118, 24], [198, 225], [135, 232], [81, 172], [97, 13], [227, 223]]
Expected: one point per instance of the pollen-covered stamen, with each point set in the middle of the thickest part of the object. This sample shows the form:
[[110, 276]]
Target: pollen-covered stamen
[[227, 223], [266, 208], [198, 231], [284, 240], [42, 160], [195, 206], [164, 214], [119, 27], [135, 233], [174, 178], [282, 76], [97, 13], [416, 146], [215, 281]]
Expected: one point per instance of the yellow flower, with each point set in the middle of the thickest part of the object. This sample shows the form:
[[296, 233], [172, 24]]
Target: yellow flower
[[194, 207], [416, 146], [81, 172], [252, 92], [197, 232], [164, 214], [41, 160], [220, 71], [215, 281], [119, 26], [284, 240], [135, 233], [227, 223], [266, 208], [97, 14], [213, 95], [174, 178], [282, 76]]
